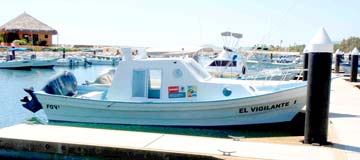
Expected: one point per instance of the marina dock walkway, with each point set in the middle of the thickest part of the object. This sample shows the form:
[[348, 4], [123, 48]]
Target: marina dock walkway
[[344, 121], [345, 116], [159, 142]]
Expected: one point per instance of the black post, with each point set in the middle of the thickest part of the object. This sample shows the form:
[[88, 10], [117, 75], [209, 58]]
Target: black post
[[349, 58], [318, 89], [64, 51], [305, 66], [337, 62], [354, 65], [13, 53], [94, 53], [271, 57]]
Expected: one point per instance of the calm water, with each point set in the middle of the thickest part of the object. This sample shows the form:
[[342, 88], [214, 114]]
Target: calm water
[[12, 83]]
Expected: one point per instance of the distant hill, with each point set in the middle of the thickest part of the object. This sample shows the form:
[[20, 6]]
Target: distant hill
[[211, 46]]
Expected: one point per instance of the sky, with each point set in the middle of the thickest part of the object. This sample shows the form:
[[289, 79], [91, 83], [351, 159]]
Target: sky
[[176, 23]]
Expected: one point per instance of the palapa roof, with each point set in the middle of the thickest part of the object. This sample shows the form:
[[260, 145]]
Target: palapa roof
[[26, 23]]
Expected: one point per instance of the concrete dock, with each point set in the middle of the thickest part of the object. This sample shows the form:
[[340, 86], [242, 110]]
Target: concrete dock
[[74, 141], [345, 116]]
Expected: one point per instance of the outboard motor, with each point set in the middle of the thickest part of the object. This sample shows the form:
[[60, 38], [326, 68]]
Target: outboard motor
[[33, 105], [60, 84]]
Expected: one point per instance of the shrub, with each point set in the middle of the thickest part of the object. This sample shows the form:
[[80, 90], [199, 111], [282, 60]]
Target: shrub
[[20, 42]]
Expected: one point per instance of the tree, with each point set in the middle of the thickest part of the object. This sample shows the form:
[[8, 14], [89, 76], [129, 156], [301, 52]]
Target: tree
[[2, 38], [296, 48], [349, 44]]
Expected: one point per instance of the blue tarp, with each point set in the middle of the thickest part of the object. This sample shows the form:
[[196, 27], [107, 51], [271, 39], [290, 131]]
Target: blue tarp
[[20, 49]]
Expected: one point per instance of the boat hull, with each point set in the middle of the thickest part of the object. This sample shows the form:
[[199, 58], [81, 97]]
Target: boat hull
[[44, 63], [269, 108], [19, 65], [102, 62]]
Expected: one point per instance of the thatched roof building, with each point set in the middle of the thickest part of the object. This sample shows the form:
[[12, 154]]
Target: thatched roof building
[[27, 27]]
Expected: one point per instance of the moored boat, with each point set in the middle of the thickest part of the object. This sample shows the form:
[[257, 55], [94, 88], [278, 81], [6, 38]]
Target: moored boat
[[103, 60], [169, 92], [11, 61], [16, 64], [43, 63]]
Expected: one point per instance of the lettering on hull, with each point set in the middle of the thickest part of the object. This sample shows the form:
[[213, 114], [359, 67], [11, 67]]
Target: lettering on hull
[[262, 108], [52, 106]]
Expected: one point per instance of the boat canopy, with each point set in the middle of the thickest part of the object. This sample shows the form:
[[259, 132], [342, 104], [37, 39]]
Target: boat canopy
[[20, 49]]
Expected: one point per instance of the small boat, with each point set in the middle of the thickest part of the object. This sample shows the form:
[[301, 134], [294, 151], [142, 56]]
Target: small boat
[[43, 63], [15, 64], [70, 62], [167, 92], [103, 60], [228, 63]]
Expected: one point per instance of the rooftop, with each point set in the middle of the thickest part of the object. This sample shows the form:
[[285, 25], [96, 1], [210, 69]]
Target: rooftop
[[26, 23]]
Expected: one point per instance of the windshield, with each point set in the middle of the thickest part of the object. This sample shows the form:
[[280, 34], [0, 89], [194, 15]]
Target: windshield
[[197, 69]]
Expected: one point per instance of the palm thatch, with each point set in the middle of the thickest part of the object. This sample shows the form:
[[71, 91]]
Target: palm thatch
[[27, 23]]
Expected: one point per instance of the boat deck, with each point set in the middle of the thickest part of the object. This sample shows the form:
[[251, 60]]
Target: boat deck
[[344, 120]]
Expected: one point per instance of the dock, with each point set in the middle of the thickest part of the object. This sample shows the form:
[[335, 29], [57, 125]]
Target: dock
[[53, 141], [345, 116]]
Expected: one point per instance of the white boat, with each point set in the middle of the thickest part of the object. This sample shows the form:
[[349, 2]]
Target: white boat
[[103, 60], [167, 92], [260, 61], [15, 64], [70, 61], [11, 61], [228, 63], [43, 63]]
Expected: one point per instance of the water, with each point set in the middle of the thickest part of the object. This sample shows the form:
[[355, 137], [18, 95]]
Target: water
[[12, 83]]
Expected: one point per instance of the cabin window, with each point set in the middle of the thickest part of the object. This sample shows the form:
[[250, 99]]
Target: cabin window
[[154, 87], [46, 36], [139, 83], [223, 63]]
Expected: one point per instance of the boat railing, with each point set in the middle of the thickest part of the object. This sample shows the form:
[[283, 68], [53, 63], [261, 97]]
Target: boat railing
[[276, 75]]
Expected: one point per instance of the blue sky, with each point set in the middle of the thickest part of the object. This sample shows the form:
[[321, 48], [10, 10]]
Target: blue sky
[[175, 23]]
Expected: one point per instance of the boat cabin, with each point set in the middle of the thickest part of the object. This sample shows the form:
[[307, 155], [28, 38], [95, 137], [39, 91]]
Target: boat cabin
[[170, 79]]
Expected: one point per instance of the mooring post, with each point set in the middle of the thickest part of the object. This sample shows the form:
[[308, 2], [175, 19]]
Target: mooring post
[[64, 51], [354, 64], [349, 58], [318, 89], [13, 53], [305, 64], [338, 57]]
